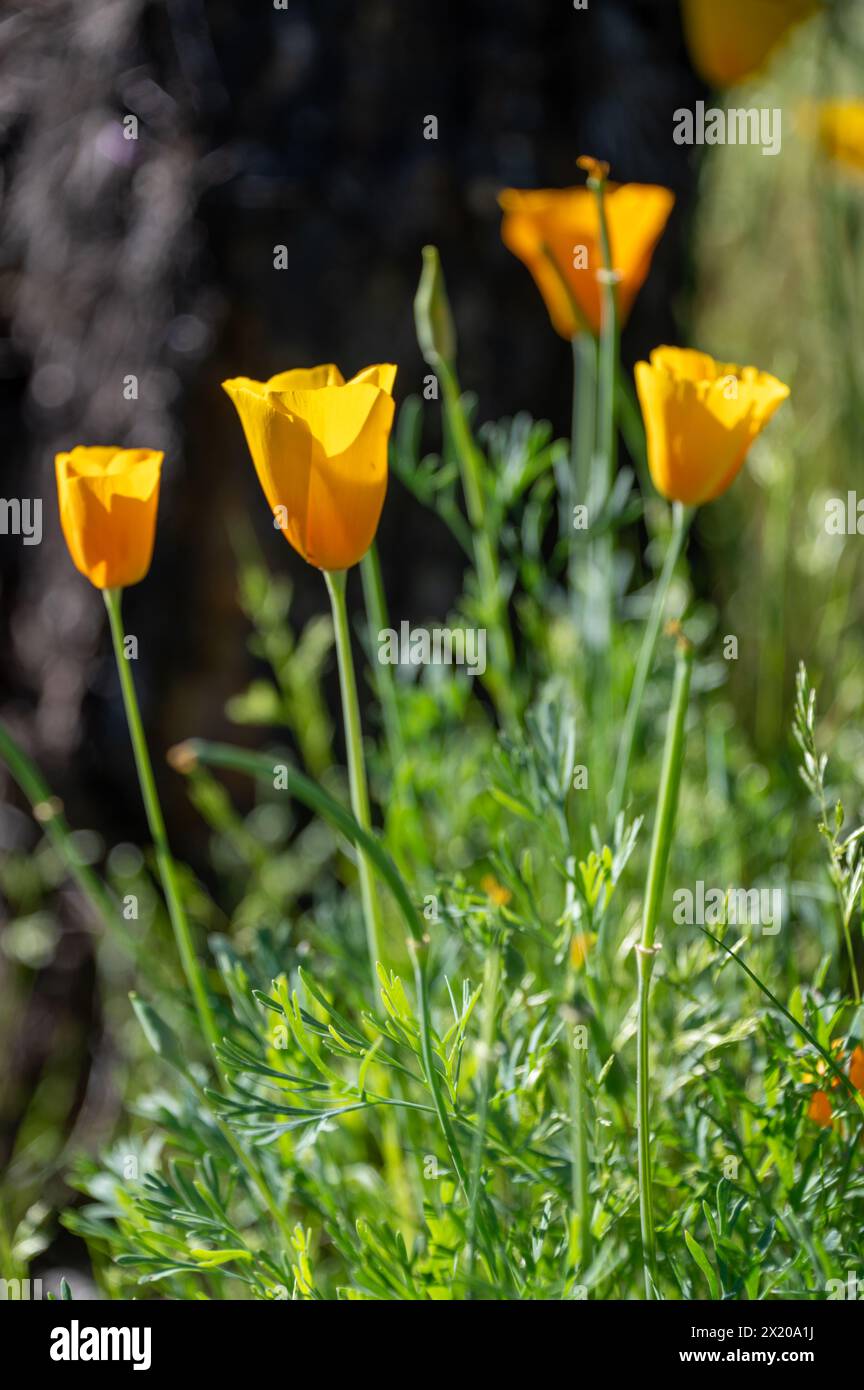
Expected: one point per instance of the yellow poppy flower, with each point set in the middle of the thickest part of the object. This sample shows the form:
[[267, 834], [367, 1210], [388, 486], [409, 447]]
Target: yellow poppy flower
[[841, 132], [730, 41], [701, 417], [108, 501], [319, 445], [564, 224]]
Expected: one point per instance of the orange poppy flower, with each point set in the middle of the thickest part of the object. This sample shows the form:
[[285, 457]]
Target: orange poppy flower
[[555, 232], [108, 502], [319, 446]]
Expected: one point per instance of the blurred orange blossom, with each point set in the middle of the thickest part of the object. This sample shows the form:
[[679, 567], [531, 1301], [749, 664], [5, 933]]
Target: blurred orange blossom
[[556, 233]]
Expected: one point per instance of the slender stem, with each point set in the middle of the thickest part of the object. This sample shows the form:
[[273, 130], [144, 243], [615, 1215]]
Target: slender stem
[[681, 518], [357, 783], [584, 401], [375, 602], [608, 367], [853, 969], [491, 984], [607, 432], [580, 1197], [844, 912], [664, 824], [584, 347], [485, 553], [156, 822], [579, 1245], [645, 963]]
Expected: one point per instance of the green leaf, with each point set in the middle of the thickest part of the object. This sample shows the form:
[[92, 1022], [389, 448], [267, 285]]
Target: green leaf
[[702, 1261], [161, 1038]]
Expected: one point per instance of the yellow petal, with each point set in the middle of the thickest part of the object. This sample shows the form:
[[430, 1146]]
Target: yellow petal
[[320, 453], [383, 375], [108, 500], [701, 417], [307, 378]]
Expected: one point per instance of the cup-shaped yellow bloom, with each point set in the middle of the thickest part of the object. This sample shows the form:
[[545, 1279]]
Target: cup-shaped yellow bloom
[[701, 417], [841, 132], [729, 41], [564, 224], [108, 503], [319, 445]]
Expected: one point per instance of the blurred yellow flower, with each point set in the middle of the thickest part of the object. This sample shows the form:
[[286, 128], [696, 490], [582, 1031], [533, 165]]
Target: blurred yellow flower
[[108, 502], [841, 132], [495, 891], [319, 445], [701, 417], [730, 41], [564, 224], [580, 945]]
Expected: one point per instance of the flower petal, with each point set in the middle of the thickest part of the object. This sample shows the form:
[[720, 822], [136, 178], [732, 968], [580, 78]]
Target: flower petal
[[108, 502]]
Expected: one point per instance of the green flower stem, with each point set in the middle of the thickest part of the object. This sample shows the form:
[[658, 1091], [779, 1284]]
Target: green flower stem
[[485, 553], [375, 602], [579, 1245], [156, 822], [357, 783], [681, 518], [645, 964], [607, 429], [491, 987], [584, 346], [664, 824], [580, 1252]]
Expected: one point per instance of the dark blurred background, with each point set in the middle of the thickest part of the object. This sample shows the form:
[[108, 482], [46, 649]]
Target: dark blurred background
[[153, 258]]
